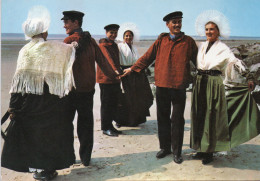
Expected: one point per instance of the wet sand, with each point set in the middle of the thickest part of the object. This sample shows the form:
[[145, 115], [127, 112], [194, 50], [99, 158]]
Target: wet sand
[[131, 156]]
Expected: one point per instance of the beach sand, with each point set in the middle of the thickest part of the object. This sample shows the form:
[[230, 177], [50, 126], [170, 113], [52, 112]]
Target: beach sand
[[131, 156]]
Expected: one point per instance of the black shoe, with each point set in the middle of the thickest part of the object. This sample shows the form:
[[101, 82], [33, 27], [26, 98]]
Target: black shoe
[[198, 156], [116, 131], [163, 153], [177, 159], [86, 163], [207, 158], [45, 175], [109, 132]]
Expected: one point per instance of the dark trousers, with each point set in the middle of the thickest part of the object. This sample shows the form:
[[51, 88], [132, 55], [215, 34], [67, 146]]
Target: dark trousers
[[82, 102], [170, 127], [109, 94]]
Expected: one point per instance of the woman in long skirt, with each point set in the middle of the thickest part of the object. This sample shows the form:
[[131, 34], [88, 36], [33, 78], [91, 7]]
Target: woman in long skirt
[[213, 126], [39, 136], [137, 97]]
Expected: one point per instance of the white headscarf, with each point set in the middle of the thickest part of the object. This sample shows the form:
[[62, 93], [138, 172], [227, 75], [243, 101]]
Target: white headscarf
[[216, 17], [128, 26], [42, 61], [37, 22]]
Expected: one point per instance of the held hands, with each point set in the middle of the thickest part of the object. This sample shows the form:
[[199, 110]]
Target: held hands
[[118, 75], [251, 85], [126, 72]]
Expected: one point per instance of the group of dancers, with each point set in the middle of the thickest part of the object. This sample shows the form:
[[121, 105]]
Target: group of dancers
[[54, 80]]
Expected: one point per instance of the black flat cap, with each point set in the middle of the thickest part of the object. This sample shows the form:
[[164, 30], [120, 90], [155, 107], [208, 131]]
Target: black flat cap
[[72, 15], [173, 15], [111, 27]]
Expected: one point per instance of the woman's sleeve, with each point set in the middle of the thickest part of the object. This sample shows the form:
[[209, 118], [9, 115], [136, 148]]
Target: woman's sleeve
[[236, 70]]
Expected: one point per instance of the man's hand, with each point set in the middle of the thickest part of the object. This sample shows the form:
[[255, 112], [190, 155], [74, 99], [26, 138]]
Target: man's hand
[[251, 85], [118, 75], [117, 72], [127, 72]]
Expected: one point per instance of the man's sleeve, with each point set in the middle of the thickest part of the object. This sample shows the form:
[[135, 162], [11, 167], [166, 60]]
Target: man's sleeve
[[148, 58], [67, 40], [103, 62], [107, 55]]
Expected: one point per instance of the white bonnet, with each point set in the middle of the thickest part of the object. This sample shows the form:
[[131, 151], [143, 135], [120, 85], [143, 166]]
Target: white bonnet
[[215, 16], [128, 26], [38, 21]]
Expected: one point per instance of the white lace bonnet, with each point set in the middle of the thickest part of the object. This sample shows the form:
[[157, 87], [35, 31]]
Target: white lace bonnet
[[128, 26], [216, 17], [37, 22]]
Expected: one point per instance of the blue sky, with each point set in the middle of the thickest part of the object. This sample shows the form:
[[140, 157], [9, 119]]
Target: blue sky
[[243, 15]]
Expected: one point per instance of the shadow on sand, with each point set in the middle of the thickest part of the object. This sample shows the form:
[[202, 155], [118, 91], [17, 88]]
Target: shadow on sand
[[147, 128], [243, 157], [117, 167]]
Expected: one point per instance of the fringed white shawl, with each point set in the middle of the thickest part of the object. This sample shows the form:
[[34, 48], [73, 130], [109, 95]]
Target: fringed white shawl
[[42, 61]]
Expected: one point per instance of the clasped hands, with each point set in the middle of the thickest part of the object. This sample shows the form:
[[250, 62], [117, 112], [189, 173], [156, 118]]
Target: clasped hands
[[125, 73]]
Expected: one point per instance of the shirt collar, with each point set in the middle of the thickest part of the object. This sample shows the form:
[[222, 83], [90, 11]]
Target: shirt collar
[[172, 36], [79, 30], [110, 40]]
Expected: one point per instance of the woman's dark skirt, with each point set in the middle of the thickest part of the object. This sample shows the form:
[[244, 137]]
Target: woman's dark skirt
[[40, 136], [135, 101]]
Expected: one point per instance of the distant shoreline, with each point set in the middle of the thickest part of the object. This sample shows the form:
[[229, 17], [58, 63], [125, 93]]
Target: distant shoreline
[[20, 36]]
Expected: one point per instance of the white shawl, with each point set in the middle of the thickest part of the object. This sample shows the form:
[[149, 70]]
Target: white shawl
[[220, 57], [127, 56], [42, 61]]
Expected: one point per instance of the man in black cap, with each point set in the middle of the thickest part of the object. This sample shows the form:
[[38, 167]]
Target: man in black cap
[[109, 88], [84, 72], [172, 53]]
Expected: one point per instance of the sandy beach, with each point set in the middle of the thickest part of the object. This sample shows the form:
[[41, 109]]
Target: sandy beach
[[131, 156]]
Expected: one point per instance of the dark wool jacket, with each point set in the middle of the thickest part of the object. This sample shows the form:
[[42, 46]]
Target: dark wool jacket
[[87, 54], [111, 52], [172, 60]]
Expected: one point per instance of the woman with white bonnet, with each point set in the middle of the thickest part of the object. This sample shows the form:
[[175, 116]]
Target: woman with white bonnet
[[219, 118], [39, 138], [137, 96]]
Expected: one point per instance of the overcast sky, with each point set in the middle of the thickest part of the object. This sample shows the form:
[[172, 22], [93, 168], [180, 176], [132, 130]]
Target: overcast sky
[[243, 15]]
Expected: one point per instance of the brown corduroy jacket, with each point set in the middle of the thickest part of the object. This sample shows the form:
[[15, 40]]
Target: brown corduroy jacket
[[111, 52], [172, 61], [87, 54]]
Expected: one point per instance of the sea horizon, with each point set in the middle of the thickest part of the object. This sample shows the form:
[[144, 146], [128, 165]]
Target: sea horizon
[[20, 36]]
